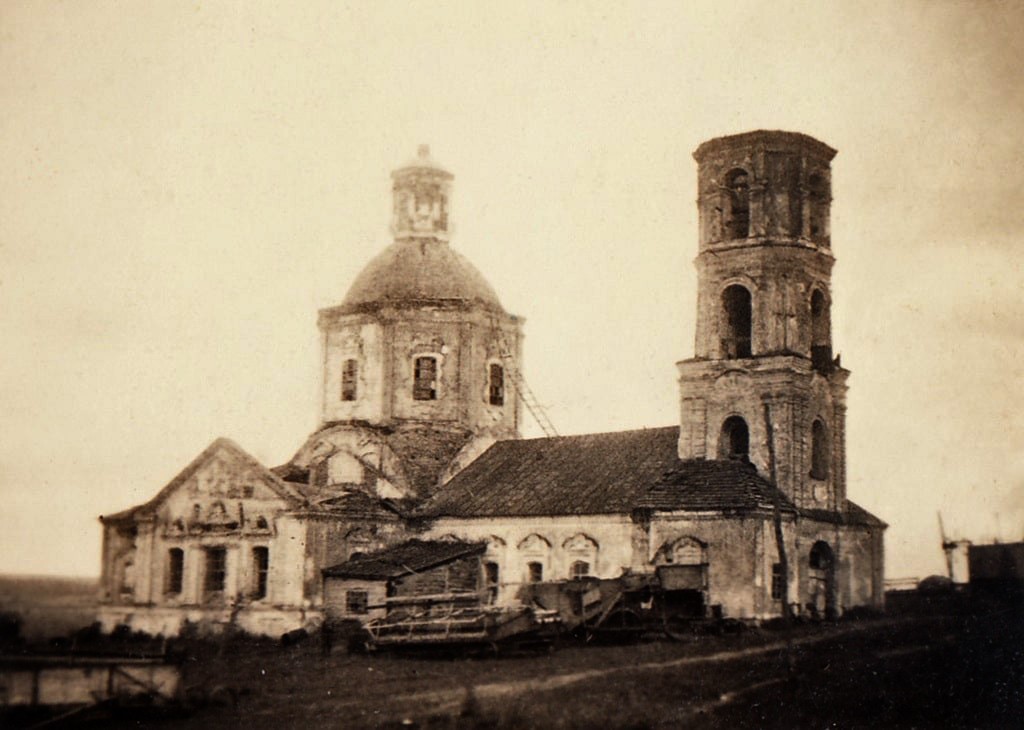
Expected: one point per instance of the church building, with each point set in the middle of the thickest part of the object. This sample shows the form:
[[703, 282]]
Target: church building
[[419, 436]]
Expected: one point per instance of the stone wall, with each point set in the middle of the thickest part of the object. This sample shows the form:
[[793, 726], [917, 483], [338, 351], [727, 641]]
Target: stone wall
[[605, 542]]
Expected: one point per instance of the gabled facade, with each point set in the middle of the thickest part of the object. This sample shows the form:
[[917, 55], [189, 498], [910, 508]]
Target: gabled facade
[[223, 542]]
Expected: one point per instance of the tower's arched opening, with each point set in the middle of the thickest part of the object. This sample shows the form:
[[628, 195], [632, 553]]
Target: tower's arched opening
[[736, 340], [734, 443], [821, 340], [738, 187], [819, 450], [817, 194]]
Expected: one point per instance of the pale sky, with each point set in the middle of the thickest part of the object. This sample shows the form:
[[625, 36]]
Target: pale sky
[[185, 184]]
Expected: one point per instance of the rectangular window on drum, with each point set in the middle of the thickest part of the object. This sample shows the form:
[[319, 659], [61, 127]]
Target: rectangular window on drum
[[496, 385], [424, 385], [349, 380]]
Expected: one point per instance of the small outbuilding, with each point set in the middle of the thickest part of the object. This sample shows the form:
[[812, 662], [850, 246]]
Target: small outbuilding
[[363, 587]]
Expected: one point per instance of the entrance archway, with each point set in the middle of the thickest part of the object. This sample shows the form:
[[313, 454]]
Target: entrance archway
[[821, 590]]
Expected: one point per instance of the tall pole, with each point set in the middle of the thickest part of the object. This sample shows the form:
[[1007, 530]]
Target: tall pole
[[780, 542]]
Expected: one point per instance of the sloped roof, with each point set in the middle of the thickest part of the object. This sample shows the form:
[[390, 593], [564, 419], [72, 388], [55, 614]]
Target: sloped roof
[[419, 273], [702, 486], [425, 452], [412, 556], [357, 503], [610, 473], [284, 490], [852, 514], [422, 452], [602, 473]]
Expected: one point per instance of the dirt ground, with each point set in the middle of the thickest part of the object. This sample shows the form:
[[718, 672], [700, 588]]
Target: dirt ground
[[928, 671]]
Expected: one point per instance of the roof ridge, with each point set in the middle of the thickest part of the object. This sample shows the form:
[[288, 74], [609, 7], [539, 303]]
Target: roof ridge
[[568, 436]]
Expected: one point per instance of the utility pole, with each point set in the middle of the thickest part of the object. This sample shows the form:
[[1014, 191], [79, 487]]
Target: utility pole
[[780, 542]]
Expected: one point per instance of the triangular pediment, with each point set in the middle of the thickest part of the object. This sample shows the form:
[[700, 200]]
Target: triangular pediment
[[222, 475]]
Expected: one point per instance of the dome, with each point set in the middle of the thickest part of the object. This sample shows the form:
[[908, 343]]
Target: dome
[[414, 272]]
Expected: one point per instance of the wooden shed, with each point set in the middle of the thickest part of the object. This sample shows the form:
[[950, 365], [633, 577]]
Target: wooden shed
[[369, 586]]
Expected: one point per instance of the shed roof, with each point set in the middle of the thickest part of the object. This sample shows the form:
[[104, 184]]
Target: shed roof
[[412, 556]]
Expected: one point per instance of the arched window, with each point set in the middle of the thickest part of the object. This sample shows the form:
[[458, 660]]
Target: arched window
[[684, 551], [734, 442], [424, 385], [349, 379], [821, 346], [535, 552], [496, 385], [817, 194], [819, 450], [737, 187], [736, 305], [581, 552], [688, 551]]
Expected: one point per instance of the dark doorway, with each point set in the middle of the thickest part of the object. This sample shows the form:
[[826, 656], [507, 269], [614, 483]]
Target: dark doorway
[[822, 588]]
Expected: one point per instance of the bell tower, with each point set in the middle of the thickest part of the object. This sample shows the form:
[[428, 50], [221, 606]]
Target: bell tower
[[763, 359]]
